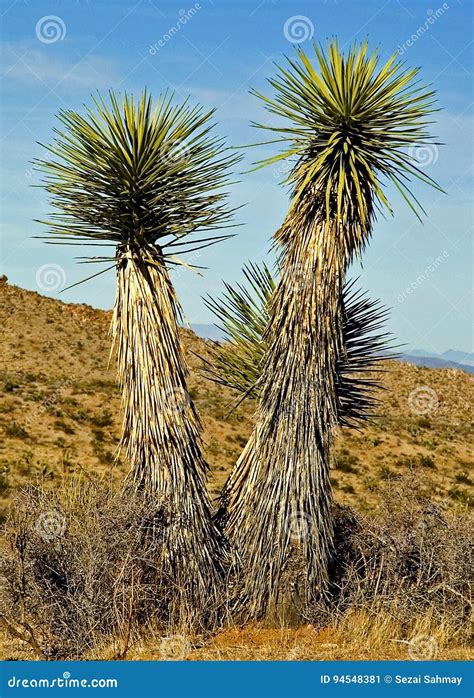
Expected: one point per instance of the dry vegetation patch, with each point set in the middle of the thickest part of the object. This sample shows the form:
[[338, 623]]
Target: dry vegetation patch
[[80, 579]]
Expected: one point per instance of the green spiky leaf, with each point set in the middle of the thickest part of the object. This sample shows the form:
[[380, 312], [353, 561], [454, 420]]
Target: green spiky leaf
[[348, 124], [133, 173], [243, 314]]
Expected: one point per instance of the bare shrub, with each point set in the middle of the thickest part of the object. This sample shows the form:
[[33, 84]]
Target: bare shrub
[[410, 561], [81, 573], [81, 570]]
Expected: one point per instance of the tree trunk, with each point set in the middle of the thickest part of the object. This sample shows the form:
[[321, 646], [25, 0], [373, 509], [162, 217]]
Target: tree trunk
[[161, 426], [278, 498]]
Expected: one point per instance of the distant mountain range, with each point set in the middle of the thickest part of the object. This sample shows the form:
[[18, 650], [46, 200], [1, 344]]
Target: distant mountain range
[[420, 357], [448, 359]]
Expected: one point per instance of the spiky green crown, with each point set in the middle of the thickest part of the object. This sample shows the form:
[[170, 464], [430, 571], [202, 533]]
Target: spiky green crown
[[351, 123], [133, 174]]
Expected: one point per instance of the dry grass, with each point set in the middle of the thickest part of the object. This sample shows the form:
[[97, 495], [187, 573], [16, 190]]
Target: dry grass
[[82, 578], [83, 565], [407, 570], [360, 637]]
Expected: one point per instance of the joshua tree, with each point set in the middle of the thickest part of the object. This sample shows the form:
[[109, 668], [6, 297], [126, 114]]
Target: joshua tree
[[144, 179], [348, 124]]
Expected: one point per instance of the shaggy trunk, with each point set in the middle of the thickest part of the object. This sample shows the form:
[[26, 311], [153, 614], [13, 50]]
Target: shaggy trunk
[[277, 501], [161, 426]]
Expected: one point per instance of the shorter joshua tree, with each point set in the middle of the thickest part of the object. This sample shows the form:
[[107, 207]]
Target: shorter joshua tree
[[145, 180]]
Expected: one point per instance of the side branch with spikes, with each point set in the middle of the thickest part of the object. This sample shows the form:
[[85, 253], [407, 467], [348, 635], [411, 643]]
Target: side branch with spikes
[[243, 313]]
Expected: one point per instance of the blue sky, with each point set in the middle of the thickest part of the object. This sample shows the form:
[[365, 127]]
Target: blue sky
[[214, 51]]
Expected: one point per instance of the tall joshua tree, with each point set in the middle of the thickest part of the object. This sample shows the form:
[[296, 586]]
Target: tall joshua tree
[[145, 180], [347, 124]]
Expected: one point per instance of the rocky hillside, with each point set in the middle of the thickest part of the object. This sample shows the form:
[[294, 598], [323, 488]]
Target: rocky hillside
[[60, 410]]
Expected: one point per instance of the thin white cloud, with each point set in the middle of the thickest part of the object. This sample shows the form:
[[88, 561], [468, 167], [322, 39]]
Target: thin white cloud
[[35, 66]]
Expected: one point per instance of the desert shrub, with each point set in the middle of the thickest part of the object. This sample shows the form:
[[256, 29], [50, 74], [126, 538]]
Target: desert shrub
[[10, 386], [427, 462], [98, 434], [194, 394], [16, 431], [411, 560], [461, 495], [104, 456], [5, 470], [463, 478], [81, 571], [346, 462], [69, 401], [64, 426], [102, 420]]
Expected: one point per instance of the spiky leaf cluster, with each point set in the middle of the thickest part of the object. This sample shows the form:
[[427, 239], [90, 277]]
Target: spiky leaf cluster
[[348, 124], [365, 346], [242, 316], [243, 313], [134, 174]]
